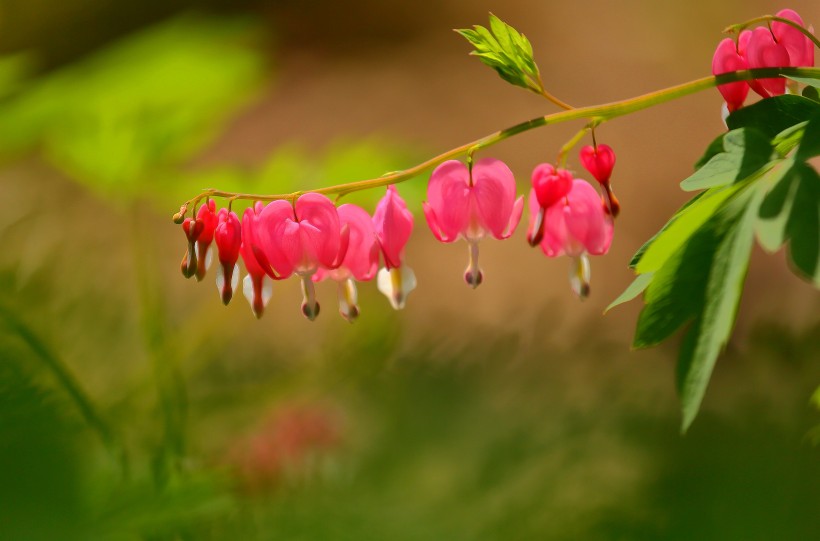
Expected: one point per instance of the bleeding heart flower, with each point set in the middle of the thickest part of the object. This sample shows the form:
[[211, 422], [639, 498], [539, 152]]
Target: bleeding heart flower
[[360, 262], [299, 239], [228, 238], [728, 58], [764, 52], [576, 226], [193, 229], [549, 185], [599, 161], [256, 286], [394, 223], [470, 204], [799, 46], [207, 215]]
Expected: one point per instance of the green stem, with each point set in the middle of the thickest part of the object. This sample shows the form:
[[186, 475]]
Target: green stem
[[767, 18], [597, 113]]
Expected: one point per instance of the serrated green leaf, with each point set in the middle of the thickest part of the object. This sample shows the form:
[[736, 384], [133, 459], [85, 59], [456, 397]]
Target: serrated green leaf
[[681, 226], [803, 225], [773, 115], [788, 139], [642, 250], [746, 151], [810, 144], [487, 38], [505, 50], [790, 212], [501, 32], [727, 239], [771, 225], [638, 285], [470, 35], [675, 295]]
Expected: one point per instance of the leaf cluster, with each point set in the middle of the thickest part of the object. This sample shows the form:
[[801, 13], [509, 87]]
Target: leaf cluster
[[757, 182], [507, 51]]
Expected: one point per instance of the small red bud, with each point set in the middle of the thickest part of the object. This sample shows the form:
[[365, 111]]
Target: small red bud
[[598, 161]]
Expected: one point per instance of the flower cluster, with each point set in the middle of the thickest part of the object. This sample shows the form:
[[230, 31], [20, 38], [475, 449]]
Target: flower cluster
[[567, 217], [309, 238], [314, 240], [777, 46]]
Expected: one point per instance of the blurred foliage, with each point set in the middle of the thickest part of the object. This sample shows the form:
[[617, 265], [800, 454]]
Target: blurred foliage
[[292, 168], [215, 427], [149, 101]]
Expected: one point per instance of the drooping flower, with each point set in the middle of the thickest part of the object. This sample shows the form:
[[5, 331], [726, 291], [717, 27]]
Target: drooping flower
[[256, 286], [228, 238], [207, 215], [730, 57], [394, 224], [576, 226], [360, 262], [599, 160], [798, 45], [549, 185], [471, 204], [192, 229], [763, 51], [299, 239]]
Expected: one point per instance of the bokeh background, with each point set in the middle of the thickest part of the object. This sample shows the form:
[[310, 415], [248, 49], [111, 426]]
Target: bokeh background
[[133, 405]]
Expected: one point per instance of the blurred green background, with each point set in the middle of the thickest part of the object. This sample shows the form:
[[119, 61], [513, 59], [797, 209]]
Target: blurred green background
[[133, 405]]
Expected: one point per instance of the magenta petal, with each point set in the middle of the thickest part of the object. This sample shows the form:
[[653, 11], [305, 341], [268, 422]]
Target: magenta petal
[[228, 237], [494, 193], [598, 161], [432, 223], [586, 220], [394, 224], [271, 225], [550, 184], [246, 251], [448, 194], [793, 39], [533, 207], [515, 218], [555, 231], [764, 52], [727, 59], [318, 217], [362, 257]]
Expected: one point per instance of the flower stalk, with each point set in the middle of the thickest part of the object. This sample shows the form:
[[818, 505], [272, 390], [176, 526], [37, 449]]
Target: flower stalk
[[596, 113]]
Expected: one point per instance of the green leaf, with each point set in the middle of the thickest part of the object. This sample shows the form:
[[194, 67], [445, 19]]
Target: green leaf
[[810, 81], [700, 282], [727, 239], [811, 92], [680, 228], [714, 148], [746, 150], [638, 285], [770, 228], [810, 144], [789, 139], [642, 250], [790, 212], [773, 115], [505, 50]]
